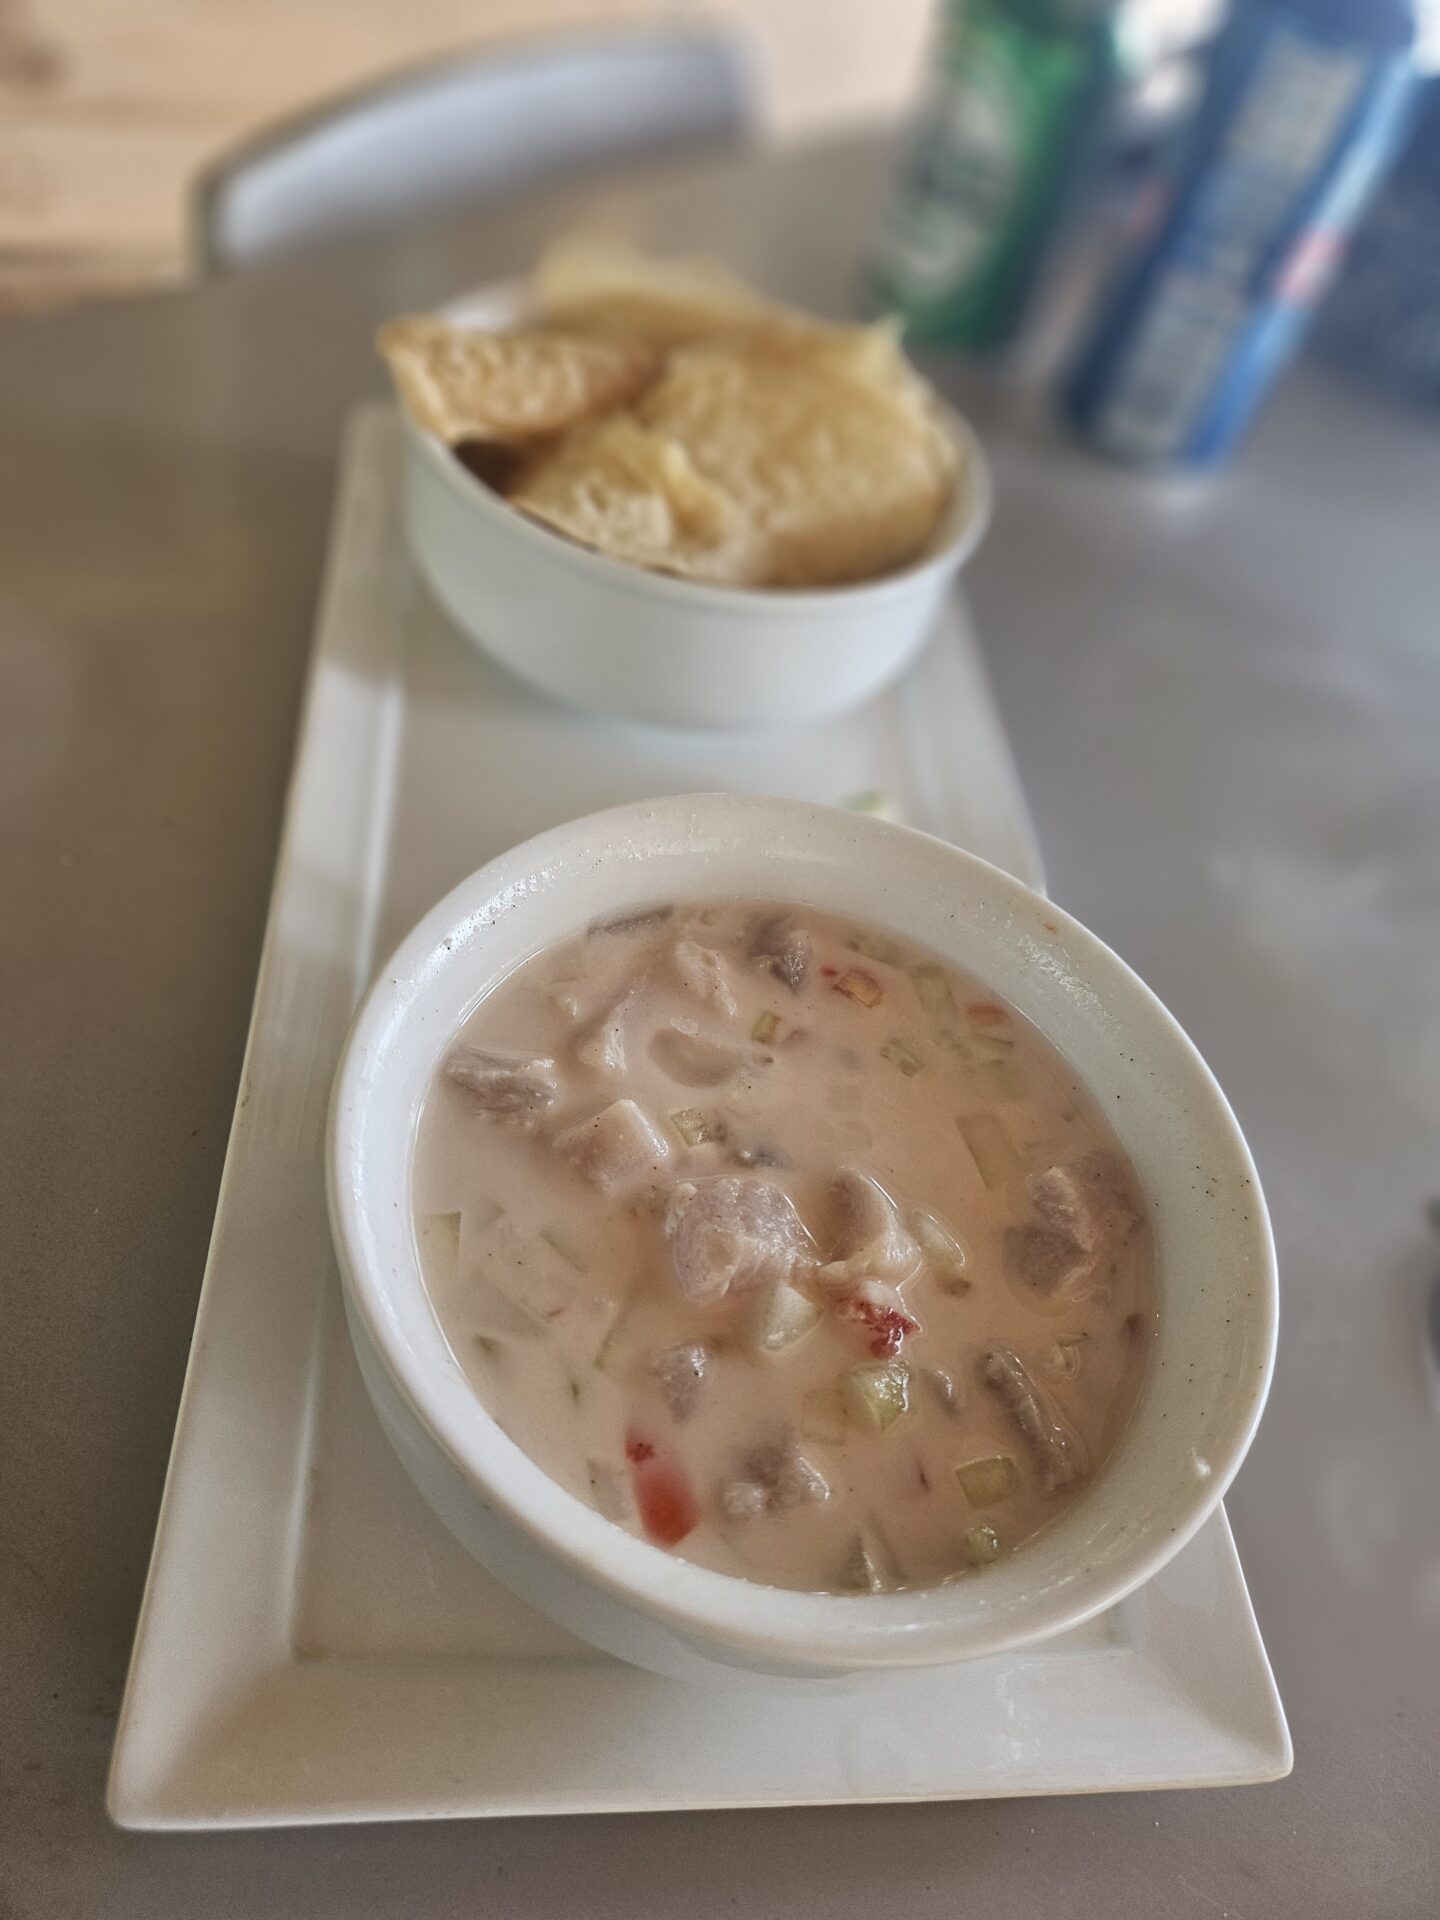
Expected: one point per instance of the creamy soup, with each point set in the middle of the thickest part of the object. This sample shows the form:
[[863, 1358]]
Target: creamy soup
[[785, 1246]]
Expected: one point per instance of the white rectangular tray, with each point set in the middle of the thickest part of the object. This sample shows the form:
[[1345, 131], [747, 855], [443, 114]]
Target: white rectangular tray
[[313, 1646]]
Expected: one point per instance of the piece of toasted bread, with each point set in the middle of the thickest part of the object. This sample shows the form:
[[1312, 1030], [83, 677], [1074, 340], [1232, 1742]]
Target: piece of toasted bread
[[466, 384], [834, 476], [635, 495], [602, 286], [598, 284]]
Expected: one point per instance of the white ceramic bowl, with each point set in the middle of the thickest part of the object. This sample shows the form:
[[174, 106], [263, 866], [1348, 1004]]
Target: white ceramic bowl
[[1211, 1366], [617, 639]]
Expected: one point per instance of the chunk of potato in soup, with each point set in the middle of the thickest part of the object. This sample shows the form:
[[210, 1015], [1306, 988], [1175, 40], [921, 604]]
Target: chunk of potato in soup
[[785, 1246]]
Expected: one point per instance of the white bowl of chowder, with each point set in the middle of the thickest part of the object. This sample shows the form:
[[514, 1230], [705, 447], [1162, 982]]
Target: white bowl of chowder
[[775, 1239]]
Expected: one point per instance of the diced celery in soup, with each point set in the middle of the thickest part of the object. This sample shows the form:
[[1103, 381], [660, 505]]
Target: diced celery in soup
[[784, 1246]]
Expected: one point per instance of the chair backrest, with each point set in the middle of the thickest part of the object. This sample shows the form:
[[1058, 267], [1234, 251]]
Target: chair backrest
[[466, 130]]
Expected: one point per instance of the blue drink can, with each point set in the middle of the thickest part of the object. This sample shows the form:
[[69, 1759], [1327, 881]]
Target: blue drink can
[[1306, 104]]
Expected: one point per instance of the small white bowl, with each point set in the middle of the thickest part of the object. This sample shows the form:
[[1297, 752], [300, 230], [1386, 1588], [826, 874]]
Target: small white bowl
[[617, 639], [1208, 1374]]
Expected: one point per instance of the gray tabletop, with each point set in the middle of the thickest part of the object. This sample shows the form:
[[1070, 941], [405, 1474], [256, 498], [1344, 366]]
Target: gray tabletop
[[1225, 706]]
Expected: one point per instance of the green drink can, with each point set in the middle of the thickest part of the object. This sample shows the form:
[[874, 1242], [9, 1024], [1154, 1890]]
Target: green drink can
[[1017, 97]]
